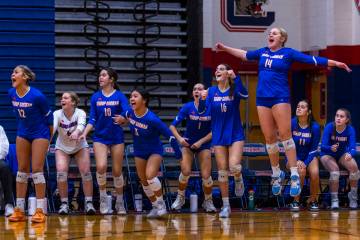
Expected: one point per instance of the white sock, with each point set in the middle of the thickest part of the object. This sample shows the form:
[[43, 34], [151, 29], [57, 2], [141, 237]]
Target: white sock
[[294, 171], [226, 202], [40, 203], [207, 196], [119, 197], [65, 200], [276, 171], [181, 192], [20, 203], [103, 193], [88, 199], [334, 195]]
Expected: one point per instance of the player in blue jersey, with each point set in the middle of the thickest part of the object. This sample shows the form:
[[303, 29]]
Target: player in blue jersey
[[273, 99], [107, 110], [146, 129], [196, 140], [306, 134], [35, 123], [338, 146], [227, 132]]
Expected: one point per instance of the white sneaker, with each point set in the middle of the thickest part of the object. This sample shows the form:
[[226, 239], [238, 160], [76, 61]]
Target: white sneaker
[[161, 209], [208, 205], [104, 208], [239, 187], [64, 209], [353, 204], [153, 213], [89, 208], [335, 204], [9, 209], [179, 202], [119, 206], [225, 212]]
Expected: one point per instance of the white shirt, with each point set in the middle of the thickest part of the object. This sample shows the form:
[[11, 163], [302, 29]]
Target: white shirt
[[4, 144], [65, 127]]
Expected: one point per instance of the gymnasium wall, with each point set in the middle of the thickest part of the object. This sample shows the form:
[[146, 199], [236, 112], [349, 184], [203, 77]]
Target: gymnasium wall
[[27, 37], [329, 28]]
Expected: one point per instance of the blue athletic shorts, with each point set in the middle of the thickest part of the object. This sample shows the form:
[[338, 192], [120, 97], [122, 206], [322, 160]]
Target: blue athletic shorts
[[44, 134], [269, 102]]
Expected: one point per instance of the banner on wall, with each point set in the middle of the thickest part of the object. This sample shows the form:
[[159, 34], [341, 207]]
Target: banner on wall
[[245, 15]]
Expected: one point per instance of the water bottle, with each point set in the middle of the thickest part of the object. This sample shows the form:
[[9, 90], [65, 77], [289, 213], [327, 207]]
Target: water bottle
[[31, 206], [138, 202], [193, 202], [251, 203]]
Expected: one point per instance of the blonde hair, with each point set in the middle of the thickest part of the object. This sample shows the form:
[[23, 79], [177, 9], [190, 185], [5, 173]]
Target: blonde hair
[[29, 74], [284, 34], [74, 97]]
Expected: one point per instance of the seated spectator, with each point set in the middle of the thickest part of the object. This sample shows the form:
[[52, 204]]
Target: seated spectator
[[6, 177]]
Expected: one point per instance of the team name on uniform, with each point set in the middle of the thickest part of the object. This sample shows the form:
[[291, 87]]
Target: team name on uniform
[[274, 56], [339, 139], [301, 134], [107, 103], [21, 104], [138, 124], [66, 126], [203, 118], [224, 99]]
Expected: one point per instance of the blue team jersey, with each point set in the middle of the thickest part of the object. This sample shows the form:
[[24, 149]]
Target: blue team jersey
[[33, 114], [274, 68], [346, 140], [102, 109], [306, 140], [198, 125], [146, 131], [225, 114]]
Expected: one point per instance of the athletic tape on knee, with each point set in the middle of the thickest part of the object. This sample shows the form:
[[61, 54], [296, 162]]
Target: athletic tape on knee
[[183, 179], [236, 169], [354, 176], [288, 144], [101, 178], [61, 176], [86, 177], [272, 148], [147, 190], [207, 182], [223, 176], [22, 177], [155, 184], [119, 181], [38, 178], [334, 176]]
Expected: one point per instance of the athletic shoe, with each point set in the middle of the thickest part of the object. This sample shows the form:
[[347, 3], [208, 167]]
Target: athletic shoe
[[17, 216], [295, 188], [179, 202], [104, 208], [295, 206], [334, 204], [276, 183], [39, 216], [119, 206], [239, 187], [314, 206], [225, 212], [9, 210], [353, 204], [89, 208], [64, 209], [208, 205]]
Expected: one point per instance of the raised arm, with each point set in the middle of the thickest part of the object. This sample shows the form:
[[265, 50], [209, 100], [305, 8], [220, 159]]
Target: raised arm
[[239, 53]]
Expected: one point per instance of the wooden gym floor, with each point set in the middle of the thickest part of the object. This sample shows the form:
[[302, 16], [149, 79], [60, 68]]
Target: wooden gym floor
[[330, 225]]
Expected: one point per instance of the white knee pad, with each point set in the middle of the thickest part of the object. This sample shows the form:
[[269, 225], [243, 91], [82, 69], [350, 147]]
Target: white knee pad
[[236, 169], [354, 176], [334, 176], [272, 148], [61, 176], [38, 178], [288, 144], [86, 177], [147, 190], [119, 181], [183, 179], [101, 178], [155, 184], [223, 176], [207, 182], [22, 177]]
